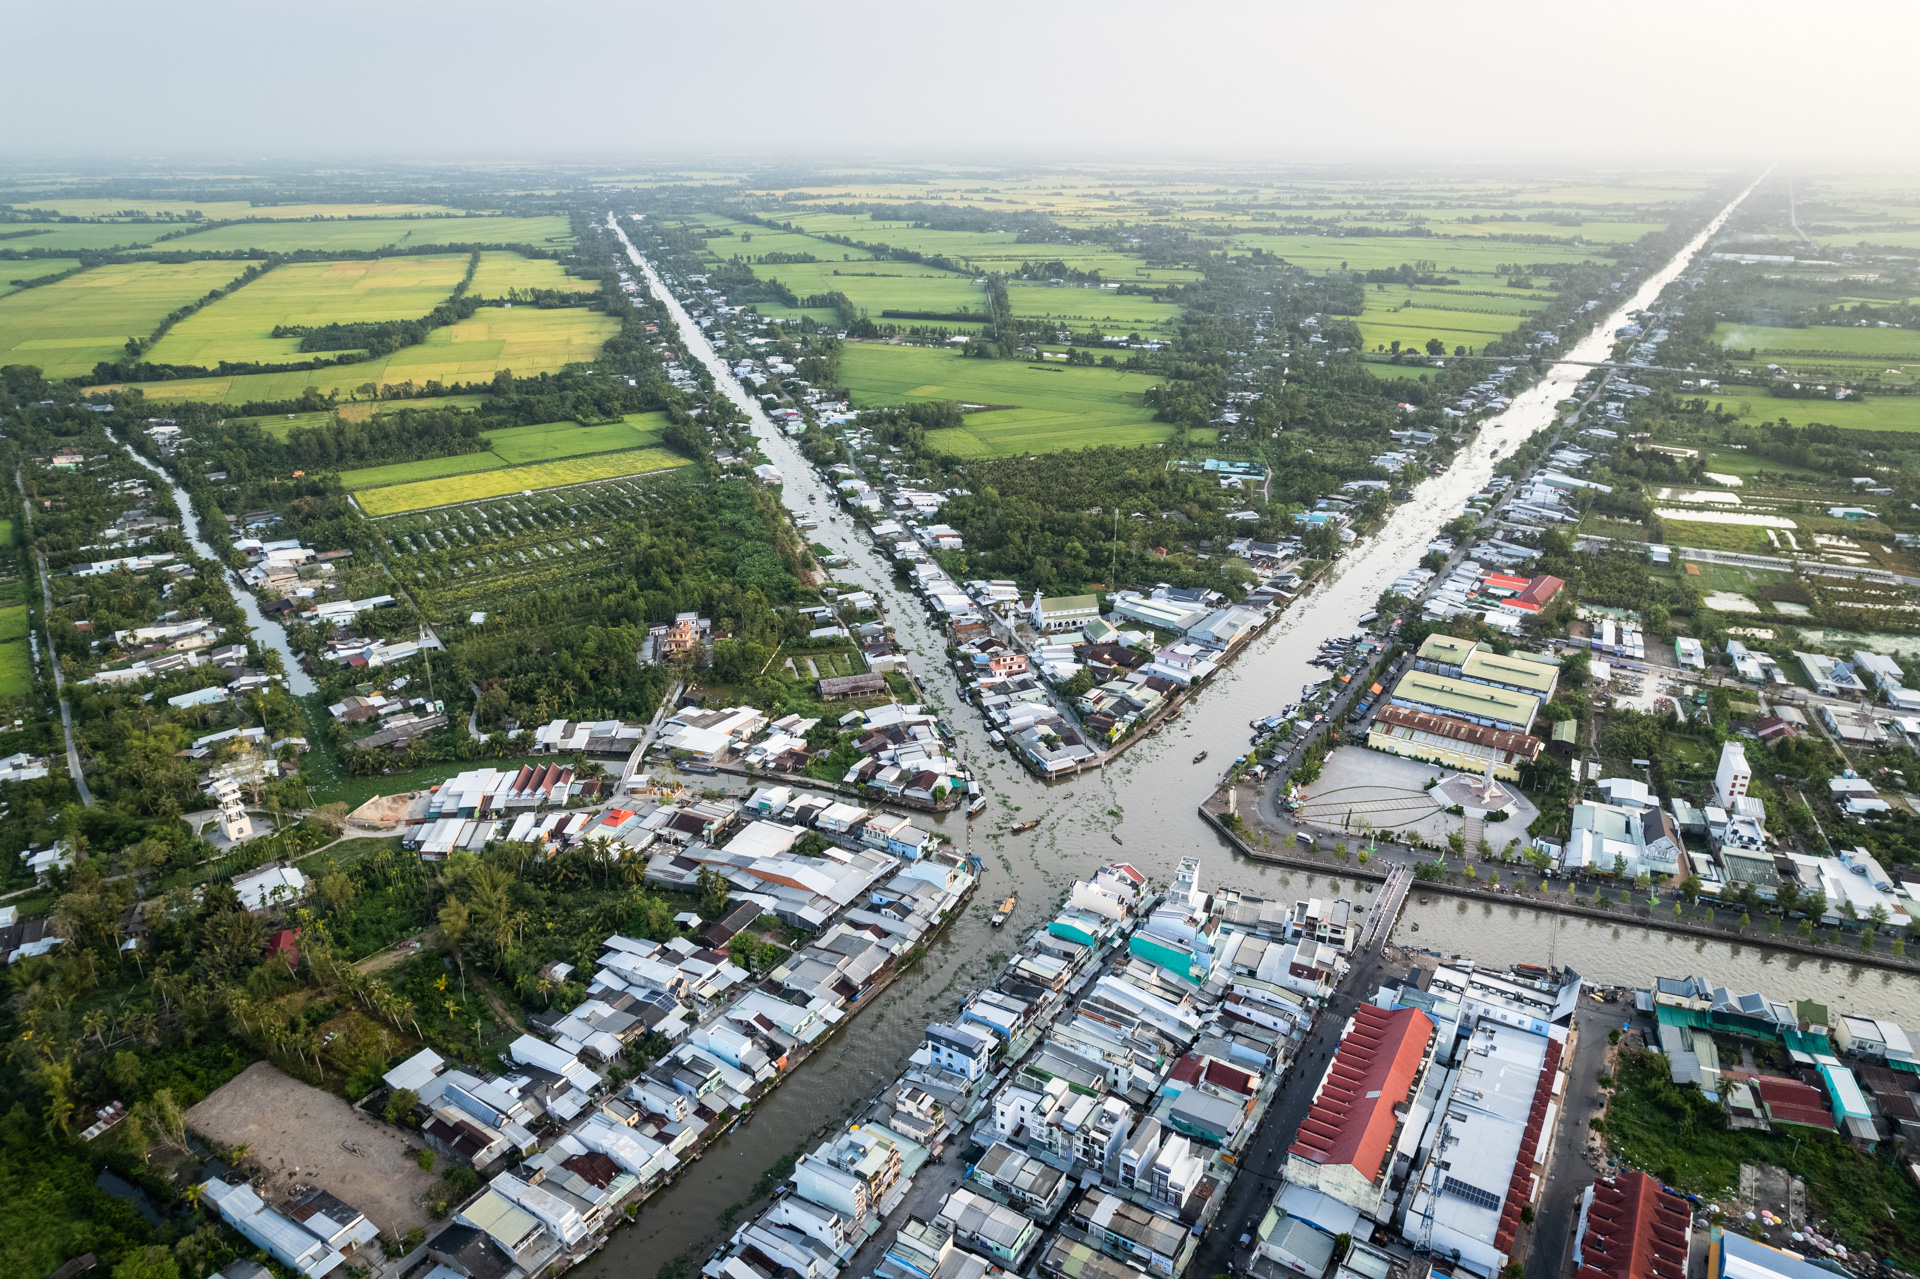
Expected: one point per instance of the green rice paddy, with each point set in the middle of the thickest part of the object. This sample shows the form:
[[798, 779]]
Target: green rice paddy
[[477, 485], [16, 662], [1050, 407], [31, 269], [380, 233], [1881, 413], [68, 327], [500, 271], [519, 445], [239, 327], [526, 340]]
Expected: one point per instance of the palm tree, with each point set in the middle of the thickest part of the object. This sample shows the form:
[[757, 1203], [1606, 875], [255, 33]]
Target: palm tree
[[94, 1022]]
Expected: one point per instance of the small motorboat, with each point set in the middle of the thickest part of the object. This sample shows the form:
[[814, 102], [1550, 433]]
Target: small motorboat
[[1005, 910], [1024, 827], [978, 806], [1115, 836], [1197, 758]]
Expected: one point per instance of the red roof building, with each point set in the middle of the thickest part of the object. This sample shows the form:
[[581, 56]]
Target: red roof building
[[284, 947], [1788, 1101], [1342, 1144], [1537, 593], [1635, 1229]]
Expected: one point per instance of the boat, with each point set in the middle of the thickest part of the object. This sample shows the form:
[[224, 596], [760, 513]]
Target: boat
[[978, 806], [1115, 836], [1001, 915], [1024, 827], [698, 768], [1197, 758]]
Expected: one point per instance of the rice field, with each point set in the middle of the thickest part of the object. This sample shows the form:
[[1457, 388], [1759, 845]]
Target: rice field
[[501, 271], [69, 236], [223, 210], [381, 233], [478, 485], [1081, 309], [16, 662], [1881, 413], [1050, 407], [1775, 344], [68, 327], [31, 269], [526, 340], [519, 445], [240, 327]]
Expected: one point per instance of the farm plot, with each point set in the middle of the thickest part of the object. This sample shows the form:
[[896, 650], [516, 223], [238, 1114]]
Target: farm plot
[[223, 210], [16, 664], [878, 287], [479, 485], [68, 327], [69, 236], [1367, 253], [379, 233], [1881, 413], [457, 559], [519, 445], [240, 327], [524, 339], [1824, 340], [1082, 308], [501, 272], [1048, 408], [11, 272]]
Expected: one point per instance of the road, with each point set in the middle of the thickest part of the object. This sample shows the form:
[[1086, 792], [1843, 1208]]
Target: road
[[1265, 1158], [59, 680], [1569, 1173]]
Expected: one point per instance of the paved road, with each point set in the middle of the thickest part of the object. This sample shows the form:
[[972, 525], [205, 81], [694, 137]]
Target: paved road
[[1265, 1157], [1569, 1174]]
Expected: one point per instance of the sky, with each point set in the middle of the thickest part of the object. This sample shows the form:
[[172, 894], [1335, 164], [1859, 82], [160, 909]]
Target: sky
[[639, 80]]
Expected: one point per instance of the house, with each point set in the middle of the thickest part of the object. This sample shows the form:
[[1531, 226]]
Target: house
[[845, 686]]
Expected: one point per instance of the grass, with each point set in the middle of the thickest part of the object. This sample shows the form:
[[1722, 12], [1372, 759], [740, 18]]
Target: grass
[[381, 233], [879, 286], [1719, 537], [524, 339], [478, 485], [1053, 407], [67, 236], [6, 532], [1824, 339], [69, 327], [239, 327], [31, 269], [16, 664], [500, 271], [1881, 413], [519, 445], [1086, 308]]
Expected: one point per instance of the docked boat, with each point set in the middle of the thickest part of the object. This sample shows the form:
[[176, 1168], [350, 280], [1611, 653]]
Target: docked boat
[[1005, 910], [978, 806], [1197, 758], [1024, 827]]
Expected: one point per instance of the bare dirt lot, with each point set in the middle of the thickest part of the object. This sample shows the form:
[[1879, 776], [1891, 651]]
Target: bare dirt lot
[[297, 1134]]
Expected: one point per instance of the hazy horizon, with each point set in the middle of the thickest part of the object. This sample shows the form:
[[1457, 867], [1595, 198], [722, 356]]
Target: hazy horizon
[[754, 83]]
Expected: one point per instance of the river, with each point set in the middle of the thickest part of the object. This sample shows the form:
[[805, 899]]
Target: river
[[265, 633], [1149, 798]]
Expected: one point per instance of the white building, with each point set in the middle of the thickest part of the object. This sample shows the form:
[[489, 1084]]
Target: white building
[[1731, 779]]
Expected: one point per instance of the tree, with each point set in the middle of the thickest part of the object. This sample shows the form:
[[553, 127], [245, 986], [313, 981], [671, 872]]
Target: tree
[[714, 889], [400, 1104], [1689, 890], [150, 1262], [165, 1119]]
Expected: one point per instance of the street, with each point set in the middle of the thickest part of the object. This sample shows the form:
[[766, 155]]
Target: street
[[1569, 1173]]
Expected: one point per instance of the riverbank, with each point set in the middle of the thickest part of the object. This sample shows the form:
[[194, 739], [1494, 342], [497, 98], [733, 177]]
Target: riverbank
[[1212, 812]]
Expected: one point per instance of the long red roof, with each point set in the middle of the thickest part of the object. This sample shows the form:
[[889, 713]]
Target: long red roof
[[1635, 1230], [1352, 1120]]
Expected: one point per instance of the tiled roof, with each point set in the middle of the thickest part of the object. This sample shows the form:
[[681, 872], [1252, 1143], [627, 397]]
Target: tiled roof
[[1635, 1230], [1352, 1120]]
